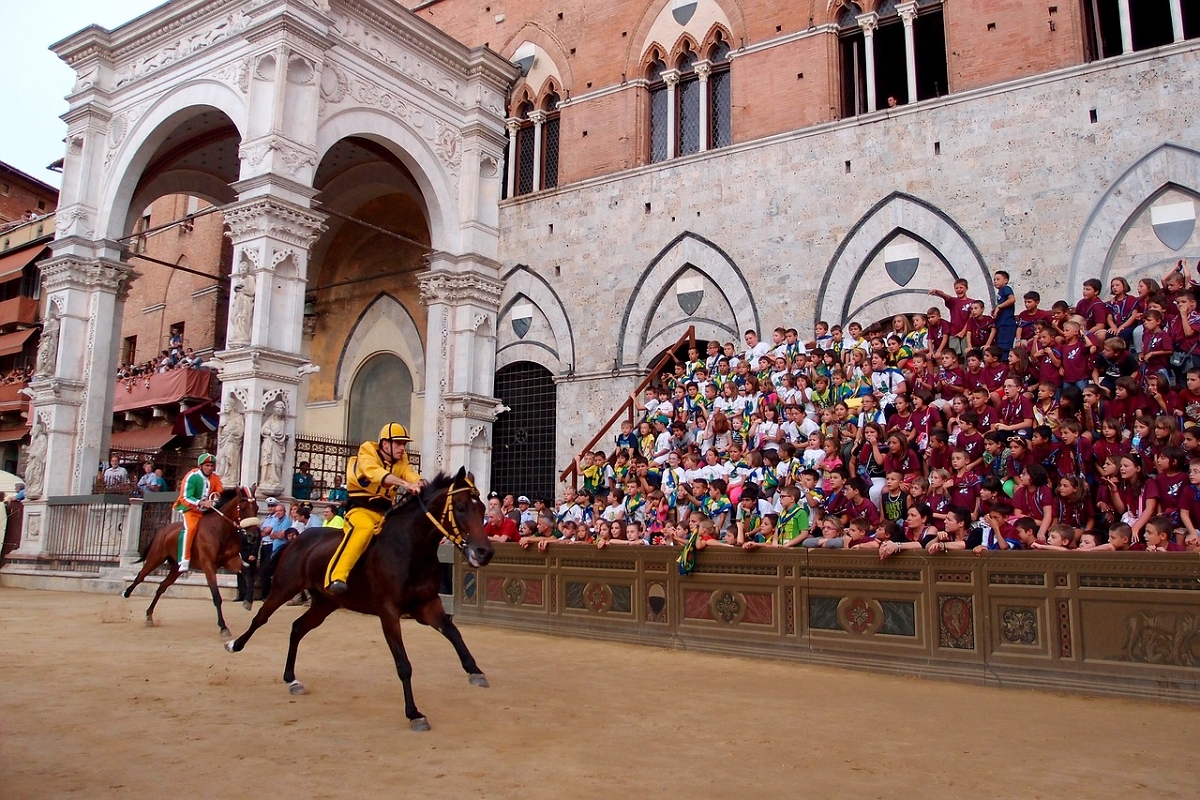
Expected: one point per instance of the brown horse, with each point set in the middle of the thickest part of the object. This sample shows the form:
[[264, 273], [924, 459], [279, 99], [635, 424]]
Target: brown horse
[[217, 543], [398, 575]]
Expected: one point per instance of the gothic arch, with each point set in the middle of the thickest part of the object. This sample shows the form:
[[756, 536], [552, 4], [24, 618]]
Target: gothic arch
[[428, 167], [522, 283], [644, 34], [537, 35], [140, 131], [687, 251], [1168, 166], [380, 322], [898, 213]]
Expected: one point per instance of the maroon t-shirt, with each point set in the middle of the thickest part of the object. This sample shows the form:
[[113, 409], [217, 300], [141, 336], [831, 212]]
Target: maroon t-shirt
[[1032, 501], [1014, 412], [1076, 365], [973, 380], [1171, 491], [1094, 311], [905, 463], [966, 490], [1158, 341], [947, 380], [1046, 370], [960, 312], [993, 377], [987, 418], [972, 443]]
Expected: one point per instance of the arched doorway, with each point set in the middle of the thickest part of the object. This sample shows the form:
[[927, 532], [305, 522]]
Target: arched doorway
[[381, 393], [523, 438]]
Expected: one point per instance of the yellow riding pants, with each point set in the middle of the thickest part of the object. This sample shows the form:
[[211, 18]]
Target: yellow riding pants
[[361, 525]]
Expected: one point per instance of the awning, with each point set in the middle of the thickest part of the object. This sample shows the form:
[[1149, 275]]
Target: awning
[[142, 438], [11, 343], [14, 434], [13, 264], [161, 389]]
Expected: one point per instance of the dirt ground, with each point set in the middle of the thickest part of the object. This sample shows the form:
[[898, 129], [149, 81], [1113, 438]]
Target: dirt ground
[[94, 704]]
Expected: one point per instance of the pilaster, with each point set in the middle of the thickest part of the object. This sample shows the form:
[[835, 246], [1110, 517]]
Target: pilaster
[[869, 22], [463, 297]]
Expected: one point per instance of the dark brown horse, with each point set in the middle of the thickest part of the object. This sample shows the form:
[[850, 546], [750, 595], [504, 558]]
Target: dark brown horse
[[398, 575], [217, 543]]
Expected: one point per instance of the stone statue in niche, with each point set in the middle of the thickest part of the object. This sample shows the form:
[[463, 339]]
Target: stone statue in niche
[[242, 312], [47, 352], [274, 446], [229, 442], [35, 460]]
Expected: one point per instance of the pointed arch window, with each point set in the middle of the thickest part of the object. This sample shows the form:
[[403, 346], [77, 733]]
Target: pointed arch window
[[720, 122], [658, 111], [525, 150], [687, 109], [550, 142]]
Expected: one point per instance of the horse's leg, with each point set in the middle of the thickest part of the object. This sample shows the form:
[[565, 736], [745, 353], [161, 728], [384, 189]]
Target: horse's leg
[[156, 554], [291, 575], [321, 608], [210, 575], [389, 618], [434, 615], [162, 587]]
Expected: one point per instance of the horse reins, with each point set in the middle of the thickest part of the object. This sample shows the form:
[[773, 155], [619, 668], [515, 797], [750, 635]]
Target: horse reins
[[455, 535]]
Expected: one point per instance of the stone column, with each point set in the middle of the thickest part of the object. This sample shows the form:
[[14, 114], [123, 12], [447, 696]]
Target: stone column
[[703, 70], [261, 364], [513, 126], [73, 396], [1126, 26], [538, 118], [908, 12], [671, 78], [869, 22], [1177, 20], [463, 297]]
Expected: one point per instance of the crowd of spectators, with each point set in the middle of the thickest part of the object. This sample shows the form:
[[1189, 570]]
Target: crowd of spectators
[[175, 356], [1003, 428]]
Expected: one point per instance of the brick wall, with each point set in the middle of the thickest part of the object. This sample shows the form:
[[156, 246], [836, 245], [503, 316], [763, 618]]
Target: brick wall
[[18, 196], [1021, 43], [163, 296], [602, 45]]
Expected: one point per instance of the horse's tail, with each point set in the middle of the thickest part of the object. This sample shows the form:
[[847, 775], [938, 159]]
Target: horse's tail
[[145, 550]]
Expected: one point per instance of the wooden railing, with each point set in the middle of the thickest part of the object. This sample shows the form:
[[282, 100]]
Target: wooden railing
[[1104, 623], [626, 408]]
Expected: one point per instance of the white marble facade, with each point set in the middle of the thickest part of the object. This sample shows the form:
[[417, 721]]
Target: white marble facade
[[293, 78]]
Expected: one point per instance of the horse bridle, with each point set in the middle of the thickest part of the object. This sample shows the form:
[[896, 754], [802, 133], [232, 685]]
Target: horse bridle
[[454, 534], [237, 523]]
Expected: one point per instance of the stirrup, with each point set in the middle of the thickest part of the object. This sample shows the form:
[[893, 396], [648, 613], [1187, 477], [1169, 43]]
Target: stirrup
[[184, 566], [337, 587]]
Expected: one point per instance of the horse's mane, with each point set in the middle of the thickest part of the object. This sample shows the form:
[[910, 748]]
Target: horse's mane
[[439, 483], [227, 495]]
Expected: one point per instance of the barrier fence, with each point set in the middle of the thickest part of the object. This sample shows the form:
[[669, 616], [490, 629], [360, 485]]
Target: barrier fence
[[1103, 623], [84, 532]]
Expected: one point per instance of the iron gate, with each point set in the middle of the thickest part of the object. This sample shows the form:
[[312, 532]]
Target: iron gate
[[84, 532], [524, 443]]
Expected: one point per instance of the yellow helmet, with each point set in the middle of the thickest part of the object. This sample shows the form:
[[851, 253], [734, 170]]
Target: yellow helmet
[[394, 430]]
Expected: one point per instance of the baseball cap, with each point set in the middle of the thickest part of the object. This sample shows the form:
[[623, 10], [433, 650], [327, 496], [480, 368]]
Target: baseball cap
[[522, 499]]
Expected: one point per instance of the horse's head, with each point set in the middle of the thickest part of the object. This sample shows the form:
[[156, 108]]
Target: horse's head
[[459, 512], [237, 505]]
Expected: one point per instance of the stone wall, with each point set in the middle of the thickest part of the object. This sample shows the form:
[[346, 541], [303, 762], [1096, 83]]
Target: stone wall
[[1016, 177]]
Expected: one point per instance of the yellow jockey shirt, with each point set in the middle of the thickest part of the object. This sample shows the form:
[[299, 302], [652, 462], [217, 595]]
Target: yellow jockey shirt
[[366, 471]]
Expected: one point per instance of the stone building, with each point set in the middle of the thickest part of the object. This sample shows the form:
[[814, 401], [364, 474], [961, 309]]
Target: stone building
[[23, 196], [513, 208]]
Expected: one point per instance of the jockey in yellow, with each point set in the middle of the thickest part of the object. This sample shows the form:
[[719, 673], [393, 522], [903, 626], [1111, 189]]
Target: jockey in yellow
[[194, 490], [372, 480]]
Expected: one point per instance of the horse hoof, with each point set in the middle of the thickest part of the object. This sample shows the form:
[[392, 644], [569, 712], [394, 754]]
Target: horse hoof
[[149, 622], [225, 634], [126, 593], [246, 605], [229, 645], [478, 679], [419, 724], [296, 687]]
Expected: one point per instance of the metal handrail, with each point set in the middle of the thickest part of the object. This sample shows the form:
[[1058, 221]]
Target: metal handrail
[[626, 408]]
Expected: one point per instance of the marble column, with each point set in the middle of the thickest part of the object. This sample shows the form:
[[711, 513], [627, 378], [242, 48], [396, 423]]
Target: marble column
[[671, 78], [462, 294], [703, 70], [1126, 26], [869, 22], [908, 12]]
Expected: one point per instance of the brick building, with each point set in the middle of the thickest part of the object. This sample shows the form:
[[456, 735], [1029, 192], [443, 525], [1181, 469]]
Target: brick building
[[23, 196]]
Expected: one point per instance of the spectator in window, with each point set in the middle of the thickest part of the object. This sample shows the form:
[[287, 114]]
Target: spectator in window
[[116, 475], [150, 481], [302, 482]]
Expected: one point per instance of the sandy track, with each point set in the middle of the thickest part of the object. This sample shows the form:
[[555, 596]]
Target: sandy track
[[94, 704]]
